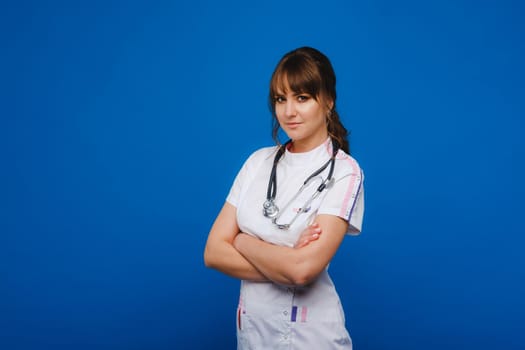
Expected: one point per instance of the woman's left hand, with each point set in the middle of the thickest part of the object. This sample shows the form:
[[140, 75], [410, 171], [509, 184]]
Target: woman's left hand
[[310, 234]]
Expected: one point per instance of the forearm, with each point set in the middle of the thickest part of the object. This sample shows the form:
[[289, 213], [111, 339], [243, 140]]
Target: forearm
[[222, 256], [280, 264], [296, 266]]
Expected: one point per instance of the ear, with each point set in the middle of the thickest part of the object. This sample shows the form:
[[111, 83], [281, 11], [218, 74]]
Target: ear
[[330, 104]]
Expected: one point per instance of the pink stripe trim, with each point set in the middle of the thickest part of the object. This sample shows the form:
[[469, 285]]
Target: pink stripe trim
[[303, 314], [350, 190]]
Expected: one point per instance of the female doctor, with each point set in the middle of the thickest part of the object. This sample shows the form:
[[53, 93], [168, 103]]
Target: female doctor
[[287, 213]]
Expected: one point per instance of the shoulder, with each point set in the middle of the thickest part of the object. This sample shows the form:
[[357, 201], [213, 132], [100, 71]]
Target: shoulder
[[258, 158], [347, 164], [262, 155]]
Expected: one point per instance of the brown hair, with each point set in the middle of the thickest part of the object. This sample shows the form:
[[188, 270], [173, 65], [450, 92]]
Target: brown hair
[[307, 70]]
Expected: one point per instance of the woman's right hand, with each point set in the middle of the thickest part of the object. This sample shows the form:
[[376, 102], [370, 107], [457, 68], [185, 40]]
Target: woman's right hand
[[310, 234]]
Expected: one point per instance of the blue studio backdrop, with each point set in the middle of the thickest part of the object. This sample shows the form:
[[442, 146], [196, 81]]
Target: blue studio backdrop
[[124, 123]]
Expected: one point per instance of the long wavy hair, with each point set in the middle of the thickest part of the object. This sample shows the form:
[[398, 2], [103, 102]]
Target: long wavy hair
[[307, 70]]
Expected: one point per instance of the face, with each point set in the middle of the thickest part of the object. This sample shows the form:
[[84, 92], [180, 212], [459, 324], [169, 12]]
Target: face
[[303, 118]]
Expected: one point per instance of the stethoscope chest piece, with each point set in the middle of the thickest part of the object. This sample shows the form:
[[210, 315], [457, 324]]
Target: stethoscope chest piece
[[270, 210]]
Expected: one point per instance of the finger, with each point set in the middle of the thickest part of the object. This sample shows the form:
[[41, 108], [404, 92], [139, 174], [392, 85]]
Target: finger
[[309, 239]]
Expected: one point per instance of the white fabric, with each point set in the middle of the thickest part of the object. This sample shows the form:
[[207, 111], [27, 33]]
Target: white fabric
[[265, 318]]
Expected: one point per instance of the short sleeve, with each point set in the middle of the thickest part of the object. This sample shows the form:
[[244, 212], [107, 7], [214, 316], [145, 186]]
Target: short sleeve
[[346, 200], [246, 175], [235, 191]]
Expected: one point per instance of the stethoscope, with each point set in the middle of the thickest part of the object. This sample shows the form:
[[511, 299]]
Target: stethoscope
[[271, 210]]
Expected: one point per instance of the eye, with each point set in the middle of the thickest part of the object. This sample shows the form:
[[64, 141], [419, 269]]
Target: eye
[[303, 98], [279, 99]]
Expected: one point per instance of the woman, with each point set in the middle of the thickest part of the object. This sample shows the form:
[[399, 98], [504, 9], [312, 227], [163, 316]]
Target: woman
[[278, 237]]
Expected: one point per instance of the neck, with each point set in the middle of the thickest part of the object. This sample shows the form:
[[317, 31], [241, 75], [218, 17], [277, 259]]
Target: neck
[[300, 146]]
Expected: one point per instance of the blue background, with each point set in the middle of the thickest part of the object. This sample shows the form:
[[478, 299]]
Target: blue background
[[123, 124]]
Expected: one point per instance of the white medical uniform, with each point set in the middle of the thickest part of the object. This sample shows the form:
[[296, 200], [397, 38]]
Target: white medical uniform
[[273, 316]]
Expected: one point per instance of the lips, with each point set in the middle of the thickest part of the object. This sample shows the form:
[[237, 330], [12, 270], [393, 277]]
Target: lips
[[292, 125]]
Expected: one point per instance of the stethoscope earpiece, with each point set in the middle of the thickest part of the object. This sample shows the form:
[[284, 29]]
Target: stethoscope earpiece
[[330, 183]]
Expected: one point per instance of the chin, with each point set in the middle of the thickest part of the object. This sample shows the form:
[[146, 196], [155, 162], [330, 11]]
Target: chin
[[295, 135]]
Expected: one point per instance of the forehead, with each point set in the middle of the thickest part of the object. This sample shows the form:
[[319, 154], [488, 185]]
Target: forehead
[[284, 84], [281, 85]]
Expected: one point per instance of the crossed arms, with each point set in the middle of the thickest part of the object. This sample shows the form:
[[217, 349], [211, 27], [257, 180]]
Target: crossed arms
[[245, 257]]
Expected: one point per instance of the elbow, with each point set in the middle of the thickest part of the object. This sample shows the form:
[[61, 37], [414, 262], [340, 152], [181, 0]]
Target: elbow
[[303, 274], [303, 280], [300, 281], [208, 258]]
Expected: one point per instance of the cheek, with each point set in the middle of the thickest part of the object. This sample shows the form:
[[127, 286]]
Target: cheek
[[311, 108], [313, 112], [279, 111]]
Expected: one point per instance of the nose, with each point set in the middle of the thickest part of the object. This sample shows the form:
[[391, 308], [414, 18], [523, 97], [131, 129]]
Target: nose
[[289, 109]]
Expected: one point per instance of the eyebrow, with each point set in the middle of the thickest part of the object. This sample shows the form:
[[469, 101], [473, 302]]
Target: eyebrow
[[280, 93]]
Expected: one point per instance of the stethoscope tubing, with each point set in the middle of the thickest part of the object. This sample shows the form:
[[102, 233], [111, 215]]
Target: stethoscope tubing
[[270, 209]]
